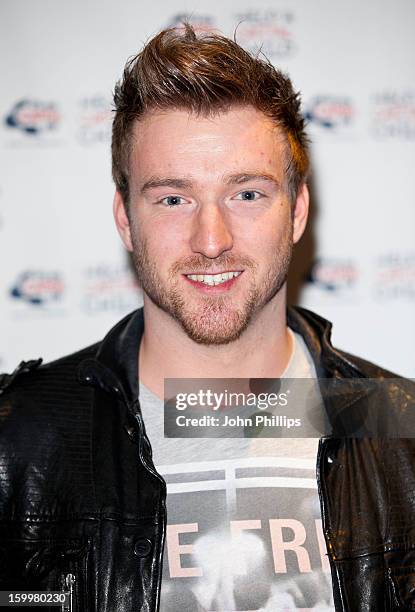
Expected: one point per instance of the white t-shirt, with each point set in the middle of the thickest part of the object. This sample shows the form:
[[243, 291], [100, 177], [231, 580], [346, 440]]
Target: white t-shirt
[[243, 515]]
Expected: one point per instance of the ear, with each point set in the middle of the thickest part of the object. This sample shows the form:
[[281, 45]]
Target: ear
[[301, 207], [121, 221]]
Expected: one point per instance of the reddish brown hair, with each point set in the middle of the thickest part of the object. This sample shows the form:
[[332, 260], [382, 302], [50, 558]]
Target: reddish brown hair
[[204, 73]]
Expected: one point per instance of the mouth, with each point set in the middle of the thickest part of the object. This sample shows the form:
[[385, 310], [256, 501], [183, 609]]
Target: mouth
[[222, 279]]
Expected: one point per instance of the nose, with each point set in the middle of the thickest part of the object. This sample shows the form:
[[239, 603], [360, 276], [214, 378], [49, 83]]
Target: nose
[[211, 234]]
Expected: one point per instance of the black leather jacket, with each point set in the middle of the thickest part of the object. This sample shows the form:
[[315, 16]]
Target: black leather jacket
[[83, 509]]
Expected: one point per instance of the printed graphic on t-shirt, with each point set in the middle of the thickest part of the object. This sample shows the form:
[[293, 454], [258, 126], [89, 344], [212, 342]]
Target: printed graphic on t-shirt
[[244, 534]]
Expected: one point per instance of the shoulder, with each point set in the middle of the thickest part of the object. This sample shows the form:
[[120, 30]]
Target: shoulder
[[329, 360], [368, 368], [34, 374], [41, 401], [45, 434], [35, 393]]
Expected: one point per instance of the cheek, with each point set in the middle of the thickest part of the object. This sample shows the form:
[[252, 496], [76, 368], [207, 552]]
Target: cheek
[[263, 224], [165, 241], [280, 231], [262, 241]]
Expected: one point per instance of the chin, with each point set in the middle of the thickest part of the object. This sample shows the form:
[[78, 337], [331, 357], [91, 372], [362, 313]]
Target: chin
[[218, 329]]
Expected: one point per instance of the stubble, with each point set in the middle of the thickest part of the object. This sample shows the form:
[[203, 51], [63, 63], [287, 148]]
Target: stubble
[[216, 319]]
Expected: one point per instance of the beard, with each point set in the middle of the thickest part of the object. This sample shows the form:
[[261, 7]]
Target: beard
[[216, 319]]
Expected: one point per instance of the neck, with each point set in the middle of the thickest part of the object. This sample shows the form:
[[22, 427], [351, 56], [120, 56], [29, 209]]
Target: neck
[[262, 351]]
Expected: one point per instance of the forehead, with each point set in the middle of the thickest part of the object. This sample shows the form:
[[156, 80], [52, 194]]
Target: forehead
[[181, 142]]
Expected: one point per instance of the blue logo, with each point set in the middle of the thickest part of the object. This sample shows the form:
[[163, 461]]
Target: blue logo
[[332, 274], [330, 112], [33, 116], [37, 287]]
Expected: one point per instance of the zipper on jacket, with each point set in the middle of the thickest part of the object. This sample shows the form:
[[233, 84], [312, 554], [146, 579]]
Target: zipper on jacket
[[135, 409], [67, 587], [142, 435]]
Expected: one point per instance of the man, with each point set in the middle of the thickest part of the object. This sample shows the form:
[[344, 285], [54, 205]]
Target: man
[[210, 163]]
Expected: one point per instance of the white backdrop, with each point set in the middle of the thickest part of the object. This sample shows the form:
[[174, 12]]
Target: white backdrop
[[64, 278]]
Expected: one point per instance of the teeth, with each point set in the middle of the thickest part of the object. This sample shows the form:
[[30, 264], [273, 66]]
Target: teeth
[[213, 279]]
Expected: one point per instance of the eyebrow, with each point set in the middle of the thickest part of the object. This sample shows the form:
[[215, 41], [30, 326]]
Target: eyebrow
[[245, 177], [231, 179]]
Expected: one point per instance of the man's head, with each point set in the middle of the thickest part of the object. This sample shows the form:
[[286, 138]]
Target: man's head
[[210, 162], [205, 74]]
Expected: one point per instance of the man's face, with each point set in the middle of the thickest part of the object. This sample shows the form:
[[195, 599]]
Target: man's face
[[211, 228]]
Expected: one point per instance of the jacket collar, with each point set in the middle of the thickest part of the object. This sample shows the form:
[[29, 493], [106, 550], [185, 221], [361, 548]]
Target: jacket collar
[[316, 332], [115, 366]]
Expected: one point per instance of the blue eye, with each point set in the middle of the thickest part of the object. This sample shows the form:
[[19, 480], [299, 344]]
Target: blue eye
[[172, 200], [248, 195]]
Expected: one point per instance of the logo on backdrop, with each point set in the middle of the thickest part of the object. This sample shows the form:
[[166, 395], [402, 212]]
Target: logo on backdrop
[[330, 113], [268, 30], [394, 276], [333, 274], [199, 21], [33, 116], [38, 287], [94, 120], [109, 288], [393, 115]]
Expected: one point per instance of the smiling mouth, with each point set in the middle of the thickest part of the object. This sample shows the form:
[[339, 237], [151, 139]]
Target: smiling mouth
[[213, 279]]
